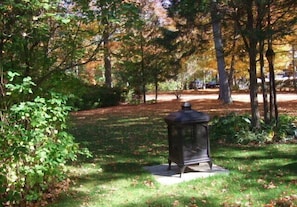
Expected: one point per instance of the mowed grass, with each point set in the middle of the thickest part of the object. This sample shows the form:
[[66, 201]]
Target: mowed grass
[[122, 144]]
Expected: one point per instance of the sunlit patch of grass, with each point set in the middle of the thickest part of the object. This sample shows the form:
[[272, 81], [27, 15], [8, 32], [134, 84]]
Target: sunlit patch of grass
[[123, 145]]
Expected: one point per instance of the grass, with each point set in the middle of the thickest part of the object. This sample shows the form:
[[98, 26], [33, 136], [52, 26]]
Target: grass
[[122, 144]]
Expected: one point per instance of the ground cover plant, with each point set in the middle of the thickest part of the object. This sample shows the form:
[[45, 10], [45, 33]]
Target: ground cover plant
[[35, 145], [124, 139]]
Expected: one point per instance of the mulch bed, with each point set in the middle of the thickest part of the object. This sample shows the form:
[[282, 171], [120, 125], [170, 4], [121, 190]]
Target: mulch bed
[[212, 107]]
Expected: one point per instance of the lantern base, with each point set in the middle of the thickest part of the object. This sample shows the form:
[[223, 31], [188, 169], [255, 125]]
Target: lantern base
[[182, 167]]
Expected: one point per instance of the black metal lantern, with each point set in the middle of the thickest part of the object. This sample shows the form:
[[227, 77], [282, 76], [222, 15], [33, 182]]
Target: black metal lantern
[[188, 138]]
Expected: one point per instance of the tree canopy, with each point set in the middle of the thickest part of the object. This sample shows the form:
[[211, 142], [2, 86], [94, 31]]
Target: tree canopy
[[136, 43], [94, 50]]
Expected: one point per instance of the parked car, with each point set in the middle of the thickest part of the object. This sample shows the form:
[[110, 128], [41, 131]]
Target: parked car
[[212, 84], [197, 84]]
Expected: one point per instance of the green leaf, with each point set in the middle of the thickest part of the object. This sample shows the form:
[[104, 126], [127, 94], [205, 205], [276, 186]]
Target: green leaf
[[65, 21], [11, 75]]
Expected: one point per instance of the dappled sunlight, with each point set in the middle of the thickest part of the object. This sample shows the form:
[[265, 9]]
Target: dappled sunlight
[[288, 107], [201, 102], [124, 139]]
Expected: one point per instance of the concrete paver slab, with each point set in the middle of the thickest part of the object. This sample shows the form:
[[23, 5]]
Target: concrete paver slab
[[169, 177]]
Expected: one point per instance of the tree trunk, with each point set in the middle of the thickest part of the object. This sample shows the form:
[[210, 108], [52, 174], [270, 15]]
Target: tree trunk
[[231, 73], [2, 86], [156, 90], [2, 91], [263, 83], [253, 40], [143, 81], [270, 57], [293, 68], [225, 92], [232, 70], [273, 102], [3, 105], [107, 55], [254, 88]]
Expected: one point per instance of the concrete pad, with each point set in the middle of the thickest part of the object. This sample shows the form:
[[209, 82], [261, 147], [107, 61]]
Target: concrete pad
[[169, 177]]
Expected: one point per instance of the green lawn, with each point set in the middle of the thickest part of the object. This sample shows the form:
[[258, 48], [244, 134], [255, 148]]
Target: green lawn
[[123, 144]]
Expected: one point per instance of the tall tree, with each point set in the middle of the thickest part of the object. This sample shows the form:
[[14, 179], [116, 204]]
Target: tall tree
[[263, 84], [107, 53], [251, 19], [194, 21], [46, 38], [225, 92], [111, 18], [270, 55], [249, 31], [143, 58]]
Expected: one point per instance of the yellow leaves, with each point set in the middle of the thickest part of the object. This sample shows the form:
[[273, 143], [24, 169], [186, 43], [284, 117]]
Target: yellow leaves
[[175, 203], [224, 190], [271, 185], [260, 181], [286, 201], [271, 134], [236, 204], [244, 168], [149, 183], [240, 168], [247, 202], [193, 202]]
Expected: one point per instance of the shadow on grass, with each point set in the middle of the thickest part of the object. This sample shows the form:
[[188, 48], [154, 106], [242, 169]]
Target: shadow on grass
[[81, 199], [123, 139], [261, 167], [175, 200], [122, 145], [291, 167]]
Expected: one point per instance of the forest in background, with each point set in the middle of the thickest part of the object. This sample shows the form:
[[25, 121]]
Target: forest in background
[[90, 54], [135, 44]]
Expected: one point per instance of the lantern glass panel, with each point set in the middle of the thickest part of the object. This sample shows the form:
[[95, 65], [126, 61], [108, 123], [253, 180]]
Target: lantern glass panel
[[188, 134]]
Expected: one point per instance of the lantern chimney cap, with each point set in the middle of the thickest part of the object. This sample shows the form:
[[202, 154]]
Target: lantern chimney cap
[[187, 116], [186, 106]]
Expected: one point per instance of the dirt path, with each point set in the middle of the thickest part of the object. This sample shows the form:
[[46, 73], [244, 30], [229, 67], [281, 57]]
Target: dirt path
[[213, 95], [206, 101]]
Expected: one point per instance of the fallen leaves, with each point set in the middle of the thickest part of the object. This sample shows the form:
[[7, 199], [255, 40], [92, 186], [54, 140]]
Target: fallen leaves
[[149, 183], [285, 201], [53, 192], [270, 185], [175, 203]]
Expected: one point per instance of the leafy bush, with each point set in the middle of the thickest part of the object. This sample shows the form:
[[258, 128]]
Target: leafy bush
[[286, 128], [170, 85], [65, 84], [82, 96], [34, 146], [235, 128], [98, 96], [227, 127]]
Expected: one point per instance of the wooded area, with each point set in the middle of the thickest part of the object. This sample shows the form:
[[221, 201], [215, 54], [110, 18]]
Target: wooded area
[[135, 44], [89, 54]]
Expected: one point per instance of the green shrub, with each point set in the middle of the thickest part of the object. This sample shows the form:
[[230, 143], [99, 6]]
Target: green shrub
[[226, 128], [170, 85], [34, 146], [62, 83], [82, 96], [286, 128], [247, 137], [98, 96], [235, 128]]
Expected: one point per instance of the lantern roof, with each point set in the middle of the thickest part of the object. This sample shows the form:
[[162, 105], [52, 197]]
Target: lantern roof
[[187, 116]]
